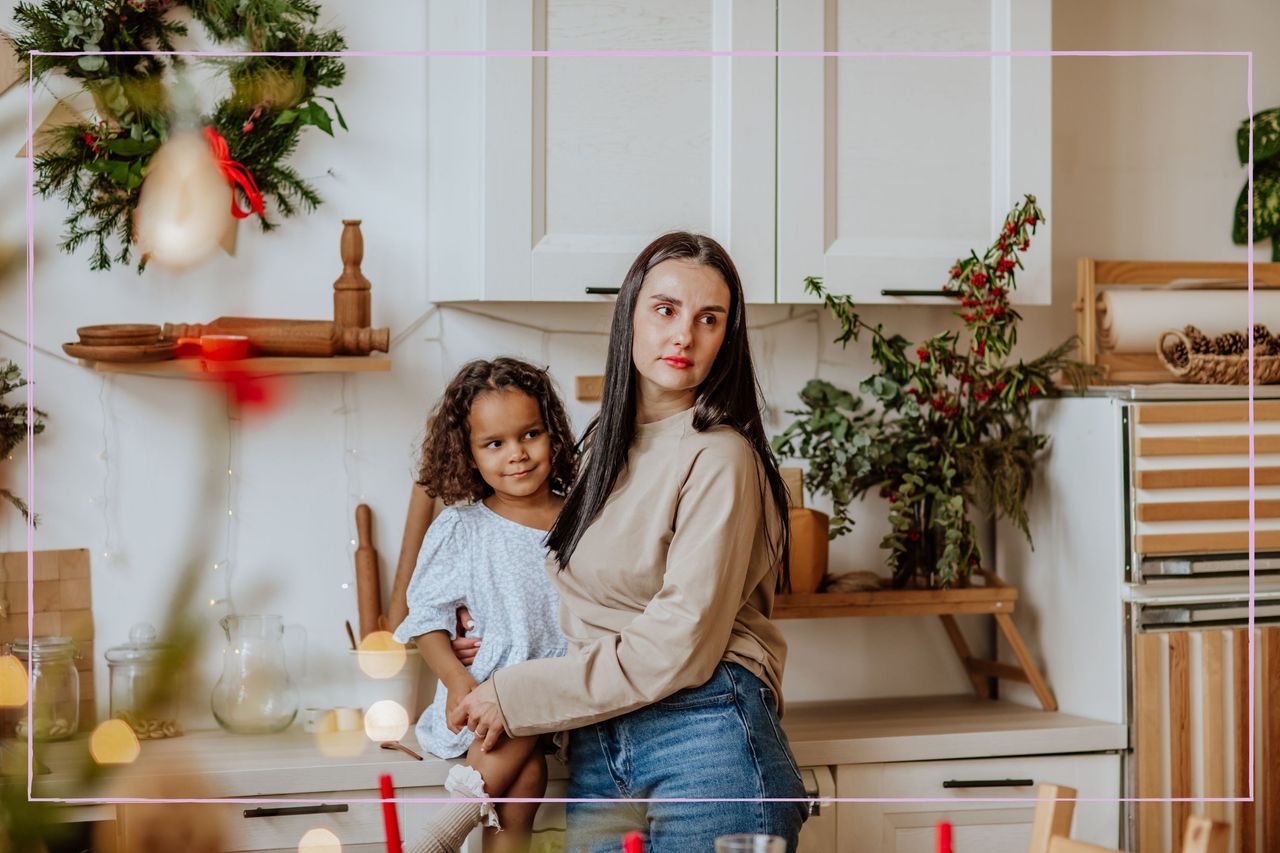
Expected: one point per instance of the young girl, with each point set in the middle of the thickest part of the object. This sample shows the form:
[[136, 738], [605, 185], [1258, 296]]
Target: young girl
[[500, 453]]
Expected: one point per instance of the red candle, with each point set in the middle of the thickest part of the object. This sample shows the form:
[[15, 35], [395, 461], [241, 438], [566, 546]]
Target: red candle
[[944, 837], [389, 821]]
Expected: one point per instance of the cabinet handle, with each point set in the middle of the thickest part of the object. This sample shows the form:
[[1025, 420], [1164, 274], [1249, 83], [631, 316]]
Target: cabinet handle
[[323, 808], [901, 292], [813, 805], [988, 783], [603, 291]]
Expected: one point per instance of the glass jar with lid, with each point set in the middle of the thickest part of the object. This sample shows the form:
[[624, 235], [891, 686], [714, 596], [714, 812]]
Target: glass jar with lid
[[53, 712], [138, 695]]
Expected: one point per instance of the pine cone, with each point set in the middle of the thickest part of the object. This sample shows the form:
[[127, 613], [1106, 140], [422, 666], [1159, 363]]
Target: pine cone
[[1261, 337], [1201, 344], [1231, 343], [1176, 353]]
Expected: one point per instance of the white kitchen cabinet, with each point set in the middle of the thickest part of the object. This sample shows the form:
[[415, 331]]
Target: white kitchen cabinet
[[892, 167], [549, 174], [989, 826]]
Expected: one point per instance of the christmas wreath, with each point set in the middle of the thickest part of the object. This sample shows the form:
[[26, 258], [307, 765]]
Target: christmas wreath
[[98, 167]]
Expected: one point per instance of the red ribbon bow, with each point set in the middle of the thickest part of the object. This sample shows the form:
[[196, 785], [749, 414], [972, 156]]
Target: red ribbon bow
[[236, 174]]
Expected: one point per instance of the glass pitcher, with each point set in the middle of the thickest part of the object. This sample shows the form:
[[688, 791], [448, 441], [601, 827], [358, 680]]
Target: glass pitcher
[[255, 694]]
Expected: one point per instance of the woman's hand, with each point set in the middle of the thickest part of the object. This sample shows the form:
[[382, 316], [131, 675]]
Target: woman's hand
[[465, 649], [458, 690], [479, 712]]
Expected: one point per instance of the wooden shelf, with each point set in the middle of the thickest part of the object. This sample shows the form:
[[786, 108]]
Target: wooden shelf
[[994, 596], [268, 365]]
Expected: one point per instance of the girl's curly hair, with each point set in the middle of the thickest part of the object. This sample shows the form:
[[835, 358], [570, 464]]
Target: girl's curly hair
[[446, 470]]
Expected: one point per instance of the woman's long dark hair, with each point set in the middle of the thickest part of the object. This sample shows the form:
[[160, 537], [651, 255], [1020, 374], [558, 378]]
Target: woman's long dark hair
[[729, 396]]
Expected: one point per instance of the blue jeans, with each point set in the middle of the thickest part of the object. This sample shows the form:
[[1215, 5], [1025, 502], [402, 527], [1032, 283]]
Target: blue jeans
[[718, 740]]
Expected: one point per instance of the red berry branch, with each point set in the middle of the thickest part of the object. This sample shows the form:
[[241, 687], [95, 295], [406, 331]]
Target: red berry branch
[[947, 423]]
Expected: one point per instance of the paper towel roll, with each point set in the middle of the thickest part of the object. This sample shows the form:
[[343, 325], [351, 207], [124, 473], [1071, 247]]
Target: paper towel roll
[[1131, 320]]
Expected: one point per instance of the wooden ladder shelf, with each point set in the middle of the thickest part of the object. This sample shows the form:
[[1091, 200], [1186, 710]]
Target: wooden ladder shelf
[[994, 596]]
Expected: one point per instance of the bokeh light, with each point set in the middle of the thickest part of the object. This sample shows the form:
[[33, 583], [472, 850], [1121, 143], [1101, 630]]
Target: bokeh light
[[13, 682], [386, 720], [113, 742], [380, 656], [319, 840], [341, 744]]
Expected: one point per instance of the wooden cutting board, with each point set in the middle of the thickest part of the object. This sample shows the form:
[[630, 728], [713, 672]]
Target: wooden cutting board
[[63, 606]]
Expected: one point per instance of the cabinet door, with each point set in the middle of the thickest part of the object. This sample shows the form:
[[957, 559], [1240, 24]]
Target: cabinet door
[[566, 166], [992, 827], [890, 167]]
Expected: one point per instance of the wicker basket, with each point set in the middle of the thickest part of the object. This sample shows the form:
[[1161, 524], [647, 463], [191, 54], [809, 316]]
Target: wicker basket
[[1215, 369]]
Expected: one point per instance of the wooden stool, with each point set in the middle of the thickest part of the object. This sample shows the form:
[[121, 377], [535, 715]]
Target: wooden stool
[[1056, 805]]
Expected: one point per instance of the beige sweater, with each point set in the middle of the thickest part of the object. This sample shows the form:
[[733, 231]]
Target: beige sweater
[[673, 577]]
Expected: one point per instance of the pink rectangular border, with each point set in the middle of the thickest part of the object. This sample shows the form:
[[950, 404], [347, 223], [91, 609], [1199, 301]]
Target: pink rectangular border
[[30, 347]]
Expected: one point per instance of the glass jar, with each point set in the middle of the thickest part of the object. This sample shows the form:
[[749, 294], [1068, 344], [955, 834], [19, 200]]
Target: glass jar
[[53, 712], [138, 695]]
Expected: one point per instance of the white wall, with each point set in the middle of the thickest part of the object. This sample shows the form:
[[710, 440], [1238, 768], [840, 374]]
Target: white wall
[[1144, 167]]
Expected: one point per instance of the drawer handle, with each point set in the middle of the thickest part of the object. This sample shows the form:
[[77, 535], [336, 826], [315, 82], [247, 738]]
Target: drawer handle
[[813, 805], [603, 291], [988, 783], [907, 292], [324, 808]]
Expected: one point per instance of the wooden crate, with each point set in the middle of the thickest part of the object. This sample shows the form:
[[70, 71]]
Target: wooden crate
[[1124, 368]]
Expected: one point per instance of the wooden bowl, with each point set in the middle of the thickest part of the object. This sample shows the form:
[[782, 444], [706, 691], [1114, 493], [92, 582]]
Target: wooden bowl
[[158, 351], [119, 334]]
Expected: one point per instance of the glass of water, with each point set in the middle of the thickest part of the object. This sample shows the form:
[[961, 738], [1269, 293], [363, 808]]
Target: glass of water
[[750, 842]]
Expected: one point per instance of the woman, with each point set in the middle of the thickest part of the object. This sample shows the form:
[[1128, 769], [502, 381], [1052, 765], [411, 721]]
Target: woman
[[666, 555]]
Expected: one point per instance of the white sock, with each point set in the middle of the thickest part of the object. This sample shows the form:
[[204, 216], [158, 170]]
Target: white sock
[[450, 826]]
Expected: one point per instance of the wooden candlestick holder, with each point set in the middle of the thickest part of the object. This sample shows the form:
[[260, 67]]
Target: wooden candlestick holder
[[351, 290]]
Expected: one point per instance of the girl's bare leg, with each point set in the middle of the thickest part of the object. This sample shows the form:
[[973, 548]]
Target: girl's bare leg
[[517, 818], [502, 765], [500, 768]]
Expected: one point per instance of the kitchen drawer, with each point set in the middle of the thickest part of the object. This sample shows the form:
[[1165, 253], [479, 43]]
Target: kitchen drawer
[[992, 827], [357, 823]]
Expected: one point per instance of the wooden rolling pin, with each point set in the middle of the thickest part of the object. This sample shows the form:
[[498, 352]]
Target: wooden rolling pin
[[368, 593], [318, 338]]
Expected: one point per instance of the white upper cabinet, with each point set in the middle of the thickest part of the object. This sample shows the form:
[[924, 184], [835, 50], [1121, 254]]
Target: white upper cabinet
[[892, 167], [549, 174]]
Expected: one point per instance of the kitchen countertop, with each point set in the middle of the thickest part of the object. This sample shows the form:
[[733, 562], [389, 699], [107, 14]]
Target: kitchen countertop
[[214, 764]]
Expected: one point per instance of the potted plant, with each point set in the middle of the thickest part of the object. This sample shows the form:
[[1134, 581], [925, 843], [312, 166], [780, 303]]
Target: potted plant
[[948, 422], [1266, 182]]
